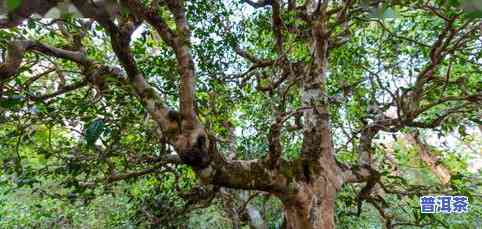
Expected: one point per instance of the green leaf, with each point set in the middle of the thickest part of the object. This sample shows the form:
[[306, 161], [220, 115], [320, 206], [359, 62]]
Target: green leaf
[[11, 102], [462, 131], [474, 14], [13, 4], [389, 13], [94, 130], [454, 3], [31, 24]]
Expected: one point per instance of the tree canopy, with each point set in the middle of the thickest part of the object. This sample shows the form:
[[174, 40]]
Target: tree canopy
[[239, 114]]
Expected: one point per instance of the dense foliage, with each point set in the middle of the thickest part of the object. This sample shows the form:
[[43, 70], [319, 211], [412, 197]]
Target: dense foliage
[[82, 146]]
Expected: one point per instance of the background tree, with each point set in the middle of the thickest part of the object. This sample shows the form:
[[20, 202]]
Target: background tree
[[294, 100]]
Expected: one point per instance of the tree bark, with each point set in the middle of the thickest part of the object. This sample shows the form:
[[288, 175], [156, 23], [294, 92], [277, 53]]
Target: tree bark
[[442, 173], [313, 206], [312, 203]]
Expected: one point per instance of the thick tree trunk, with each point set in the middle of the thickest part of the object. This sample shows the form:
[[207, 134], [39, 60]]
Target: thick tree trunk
[[313, 206]]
